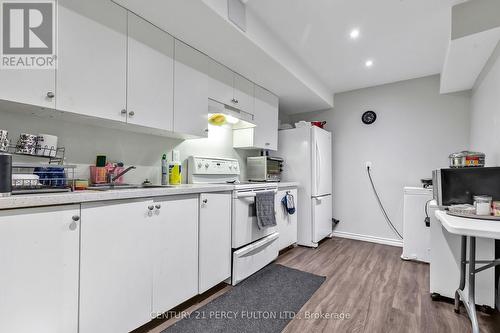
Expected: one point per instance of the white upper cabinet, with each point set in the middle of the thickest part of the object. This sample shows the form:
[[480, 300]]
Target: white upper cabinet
[[221, 83], [244, 94], [150, 79], [39, 269], [265, 134], [29, 86], [92, 58], [227, 87], [266, 118], [191, 91]]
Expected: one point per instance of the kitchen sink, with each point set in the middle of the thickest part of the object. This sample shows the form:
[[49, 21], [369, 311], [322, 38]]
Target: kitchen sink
[[109, 187]]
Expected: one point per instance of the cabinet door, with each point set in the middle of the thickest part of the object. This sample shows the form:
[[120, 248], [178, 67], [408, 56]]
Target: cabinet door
[[175, 251], [243, 94], [28, 86], [287, 224], [215, 239], [92, 55], [221, 82], [39, 270], [266, 119], [150, 79], [190, 91], [115, 266]]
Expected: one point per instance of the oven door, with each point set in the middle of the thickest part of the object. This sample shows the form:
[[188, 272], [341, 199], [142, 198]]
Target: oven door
[[244, 221]]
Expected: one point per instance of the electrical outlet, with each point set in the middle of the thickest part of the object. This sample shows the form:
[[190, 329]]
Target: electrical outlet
[[368, 164]]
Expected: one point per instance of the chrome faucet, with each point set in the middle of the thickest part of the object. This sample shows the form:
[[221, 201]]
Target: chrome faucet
[[111, 179]]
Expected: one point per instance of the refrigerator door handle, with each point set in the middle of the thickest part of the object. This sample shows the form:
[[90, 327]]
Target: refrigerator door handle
[[316, 180]]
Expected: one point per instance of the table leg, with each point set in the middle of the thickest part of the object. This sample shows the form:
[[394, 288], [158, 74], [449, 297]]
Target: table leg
[[463, 255], [472, 285]]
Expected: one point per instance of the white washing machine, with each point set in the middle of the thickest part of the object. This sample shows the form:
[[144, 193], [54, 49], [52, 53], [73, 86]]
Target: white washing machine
[[416, 233]]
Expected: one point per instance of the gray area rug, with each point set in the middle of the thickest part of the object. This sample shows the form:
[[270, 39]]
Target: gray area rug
[[265, 302]]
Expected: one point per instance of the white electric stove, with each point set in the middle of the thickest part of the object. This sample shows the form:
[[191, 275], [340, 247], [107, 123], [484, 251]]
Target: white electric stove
[[253, 248]]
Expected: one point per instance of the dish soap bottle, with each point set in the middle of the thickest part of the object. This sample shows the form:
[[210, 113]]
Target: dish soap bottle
[[164, 170], [175, 169]]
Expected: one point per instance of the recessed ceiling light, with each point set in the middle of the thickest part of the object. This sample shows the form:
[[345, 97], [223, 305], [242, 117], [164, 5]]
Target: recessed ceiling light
[[354, 34], [369, 63]]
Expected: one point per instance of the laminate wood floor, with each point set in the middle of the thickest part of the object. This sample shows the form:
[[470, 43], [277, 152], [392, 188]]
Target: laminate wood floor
[[371, 285]]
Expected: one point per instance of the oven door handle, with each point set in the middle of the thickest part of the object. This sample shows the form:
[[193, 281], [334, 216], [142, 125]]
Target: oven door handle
[[250, 194]]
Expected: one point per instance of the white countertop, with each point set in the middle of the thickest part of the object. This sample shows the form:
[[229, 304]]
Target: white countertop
[[469, 227], [288, 184], [51, 199]]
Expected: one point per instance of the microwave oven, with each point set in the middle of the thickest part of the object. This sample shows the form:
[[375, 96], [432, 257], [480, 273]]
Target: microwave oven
[[456, 186], [264, 169]]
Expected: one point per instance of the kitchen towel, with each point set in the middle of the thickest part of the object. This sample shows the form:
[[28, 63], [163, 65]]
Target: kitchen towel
[[264, 204]]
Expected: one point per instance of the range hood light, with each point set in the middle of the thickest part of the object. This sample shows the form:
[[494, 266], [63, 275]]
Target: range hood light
[[231, 120]]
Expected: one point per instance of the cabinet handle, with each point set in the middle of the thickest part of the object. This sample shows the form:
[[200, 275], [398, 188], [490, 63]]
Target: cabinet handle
[[151, 207], [268, 144], [158, 206], [131, 113], [206, 130], [205, 201], [50, 94], [76, 218], [235, 101], [123, 112]]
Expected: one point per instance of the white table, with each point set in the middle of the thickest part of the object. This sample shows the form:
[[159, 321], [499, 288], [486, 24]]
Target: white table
[[472, 228]]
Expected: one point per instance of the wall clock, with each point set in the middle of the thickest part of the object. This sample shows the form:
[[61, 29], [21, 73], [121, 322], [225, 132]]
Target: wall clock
[[368, 117]]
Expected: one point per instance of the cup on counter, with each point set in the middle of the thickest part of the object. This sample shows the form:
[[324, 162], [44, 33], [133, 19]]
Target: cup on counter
[[46, 145], [27, 144], [496, 208], [482, 203]]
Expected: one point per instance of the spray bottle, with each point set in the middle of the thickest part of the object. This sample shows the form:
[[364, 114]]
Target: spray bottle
[[164, 170]]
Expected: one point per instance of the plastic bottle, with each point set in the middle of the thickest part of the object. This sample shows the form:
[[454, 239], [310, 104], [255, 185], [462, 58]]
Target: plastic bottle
[[164, 170], [175, 169]]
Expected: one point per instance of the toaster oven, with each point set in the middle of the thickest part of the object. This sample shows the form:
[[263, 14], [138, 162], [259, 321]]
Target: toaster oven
[[264, 168]]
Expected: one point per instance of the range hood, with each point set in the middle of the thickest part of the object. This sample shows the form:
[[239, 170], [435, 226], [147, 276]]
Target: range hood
[[236, 118]]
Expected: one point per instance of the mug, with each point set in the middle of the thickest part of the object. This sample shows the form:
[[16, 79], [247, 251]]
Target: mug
[[46, 145]]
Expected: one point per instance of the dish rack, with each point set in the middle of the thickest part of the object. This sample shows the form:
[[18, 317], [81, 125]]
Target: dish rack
[[30, 178], [54, 155]]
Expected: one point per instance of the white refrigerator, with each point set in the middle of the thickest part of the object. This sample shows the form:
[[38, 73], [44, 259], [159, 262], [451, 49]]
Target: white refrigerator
[[307, 154]]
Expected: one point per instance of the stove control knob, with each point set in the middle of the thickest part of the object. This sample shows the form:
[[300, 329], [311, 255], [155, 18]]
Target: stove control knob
[[199, 165], [230, 167], [207, 165]]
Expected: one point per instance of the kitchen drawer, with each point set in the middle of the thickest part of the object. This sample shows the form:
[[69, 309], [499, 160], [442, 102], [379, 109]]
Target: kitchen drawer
[[251, 258]]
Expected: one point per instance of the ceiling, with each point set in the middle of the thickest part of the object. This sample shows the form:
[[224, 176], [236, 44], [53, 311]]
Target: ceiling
[[405, 38]]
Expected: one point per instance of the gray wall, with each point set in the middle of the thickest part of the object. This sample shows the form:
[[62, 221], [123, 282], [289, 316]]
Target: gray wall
[[415, 131], [83, 142], [485, 111]]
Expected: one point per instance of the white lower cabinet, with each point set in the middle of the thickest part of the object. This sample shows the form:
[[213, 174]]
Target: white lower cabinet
[[175, 251], [116, 266], [287, 224], [39, 270], [139, 258], [215, 239]]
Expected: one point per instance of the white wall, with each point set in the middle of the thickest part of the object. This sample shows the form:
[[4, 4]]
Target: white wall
[[84, 142], [485, 112], [415, 132]]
